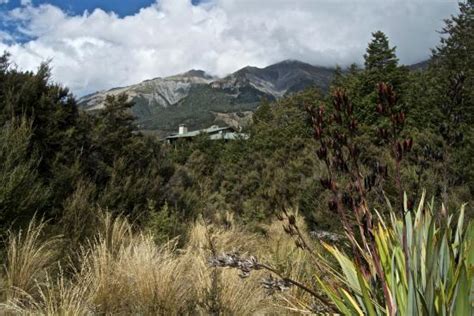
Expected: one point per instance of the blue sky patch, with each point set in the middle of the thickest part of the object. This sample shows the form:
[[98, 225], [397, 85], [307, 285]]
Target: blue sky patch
[[74, 7]]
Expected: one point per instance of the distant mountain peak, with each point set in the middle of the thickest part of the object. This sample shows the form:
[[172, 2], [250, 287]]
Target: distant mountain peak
[[246, 69], [294, 64], [287, 63], [276, 80], [422, 65], [290, 62], [196, 73]]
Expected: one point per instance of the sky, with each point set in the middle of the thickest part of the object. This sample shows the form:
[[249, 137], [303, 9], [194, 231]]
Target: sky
[[94, 45]]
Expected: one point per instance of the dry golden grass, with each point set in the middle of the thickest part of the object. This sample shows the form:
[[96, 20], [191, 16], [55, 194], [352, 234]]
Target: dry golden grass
[[281, 253], [55, 296], [122, 272], [131, 274], [28, 258], [224, 291]]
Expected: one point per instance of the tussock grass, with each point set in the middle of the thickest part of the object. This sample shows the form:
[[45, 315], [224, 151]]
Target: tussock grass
[[28, 258], [223, 291], [123, 272], [131, 274], [293, 262], [55, 296]]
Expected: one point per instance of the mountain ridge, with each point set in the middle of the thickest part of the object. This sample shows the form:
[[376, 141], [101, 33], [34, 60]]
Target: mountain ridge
[[199, 99]]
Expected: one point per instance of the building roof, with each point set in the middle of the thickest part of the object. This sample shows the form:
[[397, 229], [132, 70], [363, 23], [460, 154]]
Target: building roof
[[211, 130]]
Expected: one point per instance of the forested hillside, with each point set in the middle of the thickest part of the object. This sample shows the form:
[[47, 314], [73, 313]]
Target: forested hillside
[[79, 187]]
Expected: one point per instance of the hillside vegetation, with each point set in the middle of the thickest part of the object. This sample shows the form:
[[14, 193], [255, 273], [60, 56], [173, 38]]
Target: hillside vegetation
[[356, 201]]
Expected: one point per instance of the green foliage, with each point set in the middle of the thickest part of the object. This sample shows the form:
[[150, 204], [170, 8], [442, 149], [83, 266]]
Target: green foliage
[[79, 217], [442, 101], [380, 56], [50, 150], [453, 57], [438, 105], [164, 224], [22, 192], [253, 177], [435, 279], [381, 65], [114, 129]]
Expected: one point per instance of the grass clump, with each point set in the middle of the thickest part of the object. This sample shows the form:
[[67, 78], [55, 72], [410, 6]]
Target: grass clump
[[28, 258], [121, 271]]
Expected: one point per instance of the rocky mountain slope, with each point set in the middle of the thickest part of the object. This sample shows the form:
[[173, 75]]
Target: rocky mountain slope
[[199, 100], [276, 80], [163, 91]]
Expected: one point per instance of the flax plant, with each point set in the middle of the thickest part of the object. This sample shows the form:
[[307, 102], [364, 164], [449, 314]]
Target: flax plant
[[435, 280]]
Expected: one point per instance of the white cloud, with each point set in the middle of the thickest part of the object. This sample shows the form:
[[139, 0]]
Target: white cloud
[[100, 50], [26, 2]]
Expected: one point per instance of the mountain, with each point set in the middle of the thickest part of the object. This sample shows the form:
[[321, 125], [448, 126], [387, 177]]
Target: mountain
[[198, 99], [422, 65], [162, 91], [276, 80]]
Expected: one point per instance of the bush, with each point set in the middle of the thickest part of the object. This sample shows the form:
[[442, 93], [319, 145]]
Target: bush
[[164, 224], [19, 176]]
